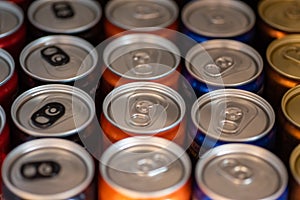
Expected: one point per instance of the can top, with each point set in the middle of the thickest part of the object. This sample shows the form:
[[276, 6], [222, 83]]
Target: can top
[[2, 119], [131, 14], [7, 66], [144, 108], [290, 105], [233, 115], [58, 59], [224, 63], [283, 56], [53, 110], [141, 56], [48, 169], [145, 166], [68, 16], [281, 14], [214, 18], [295, 164], [241, 171]]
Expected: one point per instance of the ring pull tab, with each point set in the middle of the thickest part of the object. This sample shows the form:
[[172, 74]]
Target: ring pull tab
[[140, 113], [292, 53], [140, 61], [152, 166], [55, 56], [235, 172], [146, 12], [62, 10], [293, 12], [230, 120], [40, 169], [48, 115], [217, 19], [221, 65]]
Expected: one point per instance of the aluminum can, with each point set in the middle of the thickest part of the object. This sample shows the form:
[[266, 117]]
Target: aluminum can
[[282, 69], [24, 4], [72, 17], [144, 108], [218, 64], [13, 30], [213, 19], [295, 175], [62, 59], [47, 169], [53, 110], [240, 171], [8, 80], [144, 167], [151, 16]]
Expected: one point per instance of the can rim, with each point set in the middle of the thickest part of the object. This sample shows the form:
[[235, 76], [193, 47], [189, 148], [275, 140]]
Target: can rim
[[61, 39], [2, 119], [17, 11], [94, 5], [241, 148], [11, 64], [171, 4], [138, 38], [249, 96], [293, 158], [146, 140], [43, 89], [235, 4], [41, 144], [149, 86], [224, 43]]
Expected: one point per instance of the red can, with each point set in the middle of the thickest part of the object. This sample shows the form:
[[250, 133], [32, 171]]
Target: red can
[[24, 4]]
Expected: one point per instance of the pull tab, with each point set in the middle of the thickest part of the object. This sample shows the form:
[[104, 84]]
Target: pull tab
[[232, 119], [48, 115], [146, 12], [40, 169], [141, 113], [217, 19], [235, 172], [221, 65], [292, 53], [62, 10], [293, 12], [152, 166], [55, 56], [141, 60]]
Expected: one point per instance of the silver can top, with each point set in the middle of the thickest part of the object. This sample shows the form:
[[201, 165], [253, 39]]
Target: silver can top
[[48, 169], [145, 166], [53, 110], [295, 164], [224, 63], [233, 115], [241, 171], [2, 119], [67, 16], [144, 108], [131, 14], [141, 56], [12, 18], [58, 59], [7, 66], [214, 18]]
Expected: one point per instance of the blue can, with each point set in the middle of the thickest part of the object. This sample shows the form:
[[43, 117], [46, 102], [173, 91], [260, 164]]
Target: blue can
[[240, 171], [211, 19]]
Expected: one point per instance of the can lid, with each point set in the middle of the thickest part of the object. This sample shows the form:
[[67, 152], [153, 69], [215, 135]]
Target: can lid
[[48, 169], [281, 14], [141, 56], [144, 108], [241, 171], [214, 18], [224, 63], [53, 110], [130, 14], [233, 115], [60, 59], [283, 56], [295, 164], [12, 18], [145, 166], [68, 16], [2, 119], [7, 66]]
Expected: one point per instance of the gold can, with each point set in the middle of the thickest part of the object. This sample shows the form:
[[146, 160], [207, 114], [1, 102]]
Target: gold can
[[295, 171]]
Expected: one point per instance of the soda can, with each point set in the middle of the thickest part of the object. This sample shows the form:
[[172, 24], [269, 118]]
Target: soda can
[[8, 80], [213, 19], [13, 30], [240, 171], [218, 64], [141, 16], [282, 69], [53, 110], [24, 4], [143, 108], [144, 167], [72, 17], [47, 169], [295, 169], [230, 116]]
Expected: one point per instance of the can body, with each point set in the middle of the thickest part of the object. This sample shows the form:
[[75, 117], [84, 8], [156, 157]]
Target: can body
[[294, 168]]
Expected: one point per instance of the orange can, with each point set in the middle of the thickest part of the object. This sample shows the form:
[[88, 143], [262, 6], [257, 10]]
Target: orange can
[[295, 171], [144, 168]]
